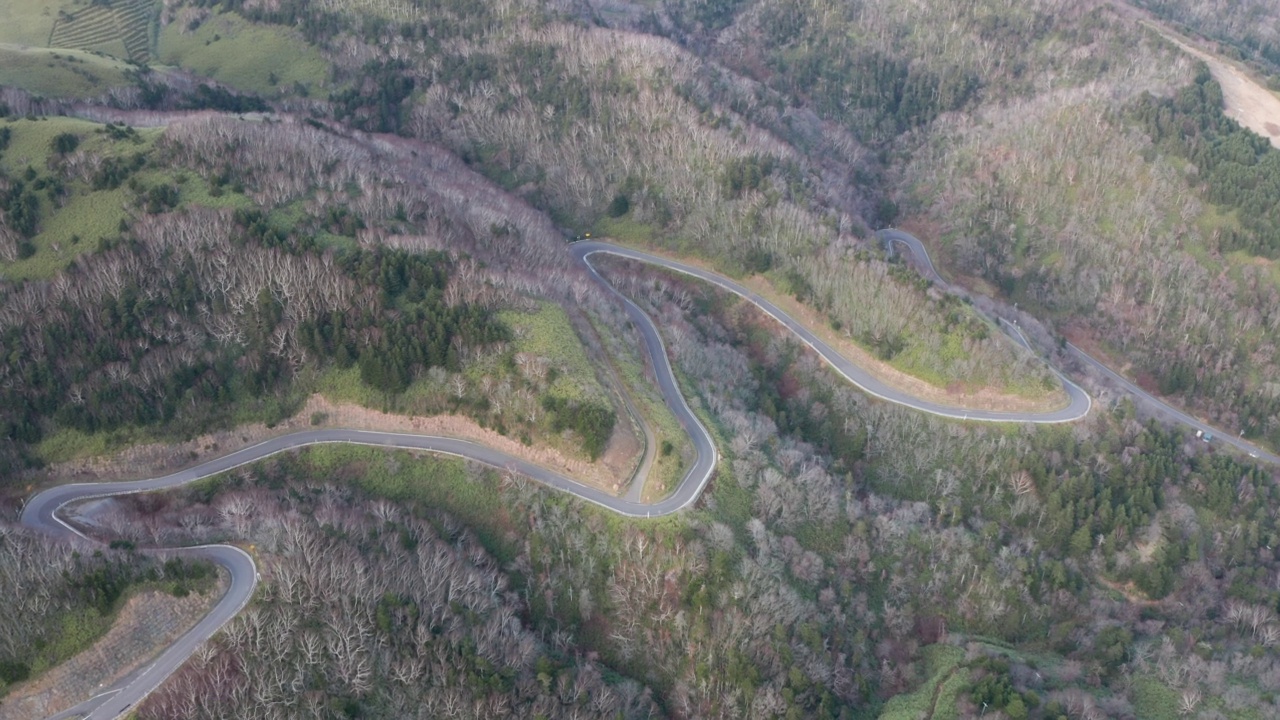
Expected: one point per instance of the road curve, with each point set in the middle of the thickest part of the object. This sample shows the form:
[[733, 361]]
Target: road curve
[[41, 512], [917, 248], [1077, 407]]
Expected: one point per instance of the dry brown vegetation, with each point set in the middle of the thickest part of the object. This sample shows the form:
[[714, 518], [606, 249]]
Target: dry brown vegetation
[[840, 537], [148, 623], [1067, 206]]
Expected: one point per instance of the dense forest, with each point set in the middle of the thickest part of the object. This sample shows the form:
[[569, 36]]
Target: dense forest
[[209, 305], [1246, 27], [390, 234], [1239, 171], [535, 102], [851, 560], [104, 357]]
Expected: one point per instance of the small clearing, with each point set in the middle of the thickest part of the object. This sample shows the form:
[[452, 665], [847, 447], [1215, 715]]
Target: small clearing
[[1247, 101]]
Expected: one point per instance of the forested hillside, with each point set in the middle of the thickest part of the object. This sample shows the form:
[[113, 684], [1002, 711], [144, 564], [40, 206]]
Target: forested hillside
[[1250, 28], [368, 201], [232, 288], [633, 135], [852, 560], [1146, 226]]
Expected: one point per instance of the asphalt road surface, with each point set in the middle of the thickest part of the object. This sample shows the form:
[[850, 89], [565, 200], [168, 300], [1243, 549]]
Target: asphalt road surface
[[40, 513], [1076, 408], [1172, 413], [1156, 405]]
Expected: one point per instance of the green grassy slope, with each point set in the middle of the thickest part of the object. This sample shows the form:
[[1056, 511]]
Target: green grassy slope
[[252, 58], [120, 28], [74, 48], [59, 73]]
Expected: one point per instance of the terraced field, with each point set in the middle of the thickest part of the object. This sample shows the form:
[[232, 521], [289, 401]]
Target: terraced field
[[121, 28]]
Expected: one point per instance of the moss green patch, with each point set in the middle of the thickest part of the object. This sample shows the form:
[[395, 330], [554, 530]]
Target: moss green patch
[[68, 444], [31, 141], [30, 22], [1154, 700], [942, 663], [194, 191], [248, 57], [625, 230], [672, 449], [71, 231], [431, 481], [82, 216], [547, 333], [60, 73], [78, 629], [326, 239], [343, 385]]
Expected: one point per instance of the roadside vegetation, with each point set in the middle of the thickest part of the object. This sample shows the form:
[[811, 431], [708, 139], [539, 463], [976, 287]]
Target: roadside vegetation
[[1040, 573], [61, 598], [672, 450], [378, 608], [1153, 239], [706, 176], [213, 304], [388, 228]]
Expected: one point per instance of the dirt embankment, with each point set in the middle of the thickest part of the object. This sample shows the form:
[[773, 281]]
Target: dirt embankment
[[1247, 101], [161, 458], [149, 622]]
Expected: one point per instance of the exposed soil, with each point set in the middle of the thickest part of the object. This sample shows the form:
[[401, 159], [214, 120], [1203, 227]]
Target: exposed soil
[[148, 623], [161, 458], [955, 396], [1247, 101], [982, 399]]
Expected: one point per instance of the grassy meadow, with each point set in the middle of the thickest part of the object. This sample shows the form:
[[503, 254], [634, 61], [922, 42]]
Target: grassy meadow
[[248, 57], [60, 73], [547, 333], [936, 698], [77, 219]]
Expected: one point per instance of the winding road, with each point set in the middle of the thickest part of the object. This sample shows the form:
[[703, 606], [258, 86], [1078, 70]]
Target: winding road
[[1154, 404], [1078, 400], [41, 512]]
